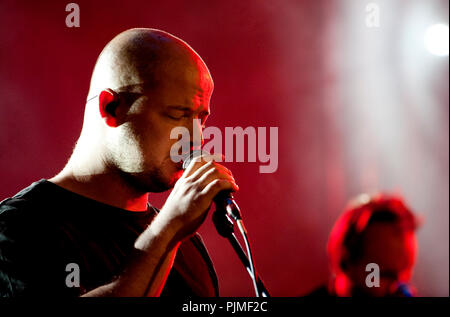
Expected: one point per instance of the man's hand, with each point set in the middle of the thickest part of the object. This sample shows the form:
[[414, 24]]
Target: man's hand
[[187, 205]]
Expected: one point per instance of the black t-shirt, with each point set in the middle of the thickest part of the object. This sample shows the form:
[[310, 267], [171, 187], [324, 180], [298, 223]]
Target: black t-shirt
[[322, 291], [48, 234]]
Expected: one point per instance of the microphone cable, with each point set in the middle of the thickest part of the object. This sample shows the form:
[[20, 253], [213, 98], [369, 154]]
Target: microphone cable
[[244, 235]]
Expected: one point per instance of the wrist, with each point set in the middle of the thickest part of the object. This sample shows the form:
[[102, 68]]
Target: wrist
[[161, 231]]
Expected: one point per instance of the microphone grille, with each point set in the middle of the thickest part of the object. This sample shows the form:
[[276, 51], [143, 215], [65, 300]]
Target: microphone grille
[[188, 158]]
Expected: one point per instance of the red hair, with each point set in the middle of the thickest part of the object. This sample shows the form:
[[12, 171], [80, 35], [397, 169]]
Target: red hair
[[345, 240]]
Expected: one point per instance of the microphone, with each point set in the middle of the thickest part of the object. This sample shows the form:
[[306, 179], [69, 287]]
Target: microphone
[[403, 290], [224, 200], [227, 210]]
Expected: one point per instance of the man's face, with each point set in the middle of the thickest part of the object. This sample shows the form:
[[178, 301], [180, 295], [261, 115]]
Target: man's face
[[394, 251], [181, 99]]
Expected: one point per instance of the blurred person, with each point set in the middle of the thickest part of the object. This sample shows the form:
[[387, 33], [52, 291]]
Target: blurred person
[[90, 230], [376, 229]]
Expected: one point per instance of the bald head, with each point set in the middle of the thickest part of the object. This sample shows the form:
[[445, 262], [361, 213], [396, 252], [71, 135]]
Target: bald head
[[146, 58], [145, 84]]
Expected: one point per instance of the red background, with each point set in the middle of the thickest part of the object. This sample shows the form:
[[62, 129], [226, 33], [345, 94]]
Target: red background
[[358, 109]]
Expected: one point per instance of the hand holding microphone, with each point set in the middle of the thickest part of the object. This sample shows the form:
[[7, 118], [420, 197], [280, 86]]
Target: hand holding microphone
[[188, 204], [224, 199]]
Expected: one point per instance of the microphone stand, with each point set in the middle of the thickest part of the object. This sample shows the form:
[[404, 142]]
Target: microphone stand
[[224, 226]]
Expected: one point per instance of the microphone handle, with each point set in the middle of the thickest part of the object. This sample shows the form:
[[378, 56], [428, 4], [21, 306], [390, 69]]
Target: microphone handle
[[225, 201]]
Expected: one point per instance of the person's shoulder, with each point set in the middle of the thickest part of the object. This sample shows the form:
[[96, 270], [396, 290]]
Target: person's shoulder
[[24, 220], [22, 202]]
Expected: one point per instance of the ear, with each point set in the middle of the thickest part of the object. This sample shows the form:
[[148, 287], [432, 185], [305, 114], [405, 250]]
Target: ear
[[108, 100]]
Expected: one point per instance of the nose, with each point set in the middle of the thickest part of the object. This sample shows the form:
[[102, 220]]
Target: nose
[[197, 140]]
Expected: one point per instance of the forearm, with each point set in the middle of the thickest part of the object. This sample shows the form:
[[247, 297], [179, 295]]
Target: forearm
[[149, 267]]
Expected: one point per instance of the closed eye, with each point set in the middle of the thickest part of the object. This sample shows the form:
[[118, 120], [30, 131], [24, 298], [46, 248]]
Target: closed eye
[[179, 112], [176, 114], [175, 117]]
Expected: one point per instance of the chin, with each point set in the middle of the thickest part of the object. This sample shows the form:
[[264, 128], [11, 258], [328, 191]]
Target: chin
[[160, 179], [163, 182]]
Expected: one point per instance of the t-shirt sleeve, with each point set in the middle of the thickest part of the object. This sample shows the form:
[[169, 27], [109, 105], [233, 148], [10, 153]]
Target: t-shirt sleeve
[[12, 279]]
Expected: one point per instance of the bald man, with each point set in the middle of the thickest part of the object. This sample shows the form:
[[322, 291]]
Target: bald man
[[90, 231]]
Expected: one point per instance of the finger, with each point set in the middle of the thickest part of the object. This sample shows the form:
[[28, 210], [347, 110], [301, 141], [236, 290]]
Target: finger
[[200, 171], [213, 188], [210, 165], [201, 160], [222, 168], [213, 173]]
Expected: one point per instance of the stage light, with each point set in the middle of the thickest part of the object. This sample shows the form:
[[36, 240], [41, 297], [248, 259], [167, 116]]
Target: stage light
[[436, 39]]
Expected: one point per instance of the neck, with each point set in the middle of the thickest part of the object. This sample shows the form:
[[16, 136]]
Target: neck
[[97, 181]]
